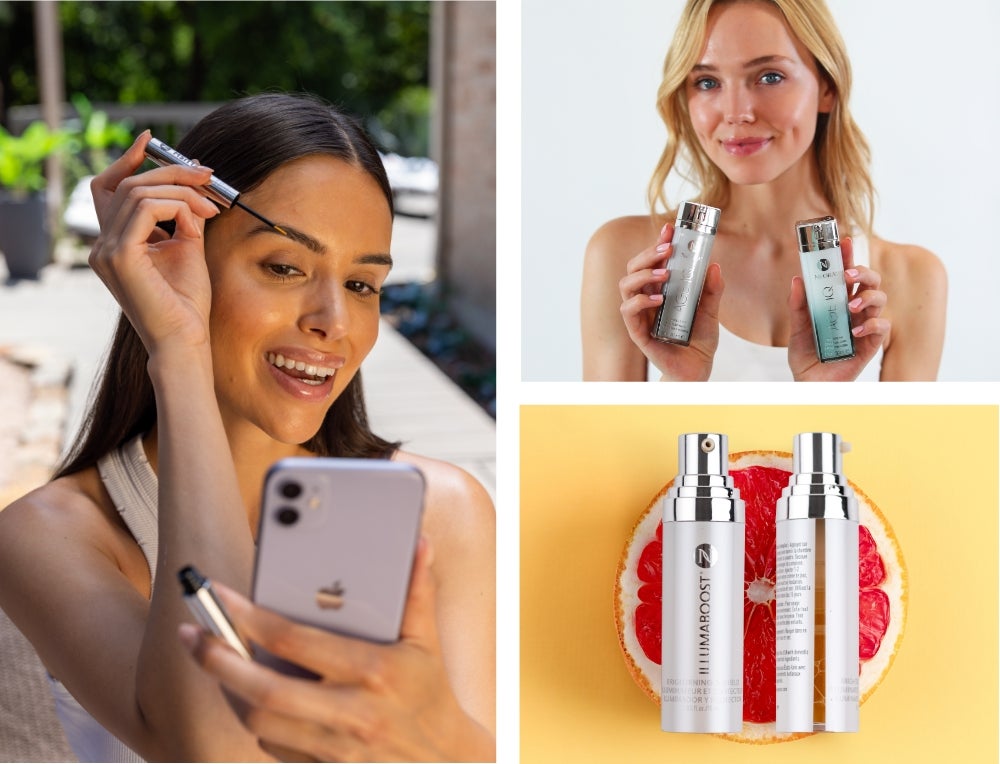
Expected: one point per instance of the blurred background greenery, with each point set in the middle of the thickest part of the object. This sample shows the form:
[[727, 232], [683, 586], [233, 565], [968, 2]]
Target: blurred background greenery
[[166, 51], [163, 64]]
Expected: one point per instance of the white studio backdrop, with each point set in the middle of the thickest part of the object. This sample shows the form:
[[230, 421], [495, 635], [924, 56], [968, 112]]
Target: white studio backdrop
[[925, 95]]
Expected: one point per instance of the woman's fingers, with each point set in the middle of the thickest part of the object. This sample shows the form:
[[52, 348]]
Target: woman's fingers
[[872, 327], [330, 655], [268, 700], [647, 282], [103, 186], [649, 259]]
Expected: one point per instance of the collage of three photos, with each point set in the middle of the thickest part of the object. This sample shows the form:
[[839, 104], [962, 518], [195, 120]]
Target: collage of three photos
[[340, 385]]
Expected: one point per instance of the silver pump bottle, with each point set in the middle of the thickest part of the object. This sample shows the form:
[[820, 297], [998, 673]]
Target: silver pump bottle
[[816, 592], [694, 234], [703, 560]]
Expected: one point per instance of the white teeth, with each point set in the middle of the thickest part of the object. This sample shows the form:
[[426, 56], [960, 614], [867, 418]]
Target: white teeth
[[278, 360]]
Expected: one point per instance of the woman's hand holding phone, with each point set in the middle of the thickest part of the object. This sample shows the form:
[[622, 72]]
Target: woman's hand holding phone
[[372, 702]]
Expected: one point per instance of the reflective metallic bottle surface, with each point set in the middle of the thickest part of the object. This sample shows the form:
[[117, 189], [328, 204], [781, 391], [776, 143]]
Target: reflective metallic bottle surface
[[817, 592], [703, 559], [826, 290], [694, 234]]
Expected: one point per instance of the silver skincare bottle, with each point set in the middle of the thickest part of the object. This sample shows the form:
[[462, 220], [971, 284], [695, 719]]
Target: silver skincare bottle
[[816, 592], [826, 290], [703, 558], [694, 234]]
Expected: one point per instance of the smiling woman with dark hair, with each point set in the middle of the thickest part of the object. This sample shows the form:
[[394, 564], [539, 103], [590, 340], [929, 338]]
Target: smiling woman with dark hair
[[238, 346]]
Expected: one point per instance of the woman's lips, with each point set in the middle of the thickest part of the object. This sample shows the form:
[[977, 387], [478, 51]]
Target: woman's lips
[[305, 374], [744, 147], [301, 389]]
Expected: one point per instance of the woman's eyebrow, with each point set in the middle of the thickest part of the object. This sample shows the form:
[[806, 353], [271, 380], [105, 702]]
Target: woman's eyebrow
[[317, 246], [294, 234], [760, 60], [375, 259]]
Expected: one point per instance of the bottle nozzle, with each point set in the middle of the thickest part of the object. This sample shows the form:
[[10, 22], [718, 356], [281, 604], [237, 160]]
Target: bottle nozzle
[[815, 452], [703, 453]]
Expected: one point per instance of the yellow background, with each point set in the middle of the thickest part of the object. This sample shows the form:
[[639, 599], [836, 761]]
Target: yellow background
[[587, 472]]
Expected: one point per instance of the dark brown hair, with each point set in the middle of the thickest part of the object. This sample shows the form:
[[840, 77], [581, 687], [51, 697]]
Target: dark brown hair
[[244, 142]]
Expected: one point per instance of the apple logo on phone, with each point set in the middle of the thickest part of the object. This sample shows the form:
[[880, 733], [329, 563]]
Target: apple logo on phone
[[331, 597]]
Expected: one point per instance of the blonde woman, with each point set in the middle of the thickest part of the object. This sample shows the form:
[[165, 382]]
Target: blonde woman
[[755, 100]]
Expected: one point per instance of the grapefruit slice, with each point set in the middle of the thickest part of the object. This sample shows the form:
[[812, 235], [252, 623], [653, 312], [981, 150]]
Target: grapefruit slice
[[760, 477]]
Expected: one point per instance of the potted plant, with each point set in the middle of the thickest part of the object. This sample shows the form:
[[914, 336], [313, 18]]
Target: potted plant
[[24, 234]]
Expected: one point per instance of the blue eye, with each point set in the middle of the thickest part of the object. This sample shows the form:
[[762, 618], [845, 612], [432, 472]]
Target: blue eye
[[705, 83], [772, 78]]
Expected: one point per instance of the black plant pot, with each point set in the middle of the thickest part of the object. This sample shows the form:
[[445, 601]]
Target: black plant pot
[[24, 234]]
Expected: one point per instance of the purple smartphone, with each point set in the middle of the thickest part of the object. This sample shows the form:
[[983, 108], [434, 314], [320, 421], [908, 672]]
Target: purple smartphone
[[336, 543]]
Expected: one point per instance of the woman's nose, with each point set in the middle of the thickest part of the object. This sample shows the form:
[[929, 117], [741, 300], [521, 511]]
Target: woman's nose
[[738, 106], [326, 314]]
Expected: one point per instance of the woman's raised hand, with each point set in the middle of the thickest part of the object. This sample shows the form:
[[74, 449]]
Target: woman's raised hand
[[865, 303], [160, 281], [371, 703], [641, 297]]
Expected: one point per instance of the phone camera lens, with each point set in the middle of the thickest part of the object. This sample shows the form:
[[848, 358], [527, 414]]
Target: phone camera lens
[[290, 490], [287, 515]]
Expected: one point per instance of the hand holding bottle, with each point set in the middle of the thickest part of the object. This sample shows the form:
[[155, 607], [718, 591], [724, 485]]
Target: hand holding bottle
[[641, 293], [869, 329]]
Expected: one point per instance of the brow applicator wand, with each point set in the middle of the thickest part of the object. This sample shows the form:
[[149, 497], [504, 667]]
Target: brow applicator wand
[[221, 193]]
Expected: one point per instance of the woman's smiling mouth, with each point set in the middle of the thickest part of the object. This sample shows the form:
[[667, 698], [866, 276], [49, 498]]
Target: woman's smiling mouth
[[302, 378], [742, 147]]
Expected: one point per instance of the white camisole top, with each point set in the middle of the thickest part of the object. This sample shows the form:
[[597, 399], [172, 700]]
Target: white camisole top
[[132, 485], [739, 360]]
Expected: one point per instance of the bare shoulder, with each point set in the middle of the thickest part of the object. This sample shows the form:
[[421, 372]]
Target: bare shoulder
[[907, 264], [622, 238], [62, 507], [63, 522], [457, 507]]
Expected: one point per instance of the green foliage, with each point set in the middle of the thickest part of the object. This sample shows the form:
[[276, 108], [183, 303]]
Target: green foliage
[[93, 136], [22, 158], [359, 55], [405, 121]]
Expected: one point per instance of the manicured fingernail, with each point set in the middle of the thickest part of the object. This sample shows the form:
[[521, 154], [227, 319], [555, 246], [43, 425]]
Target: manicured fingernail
[[855, 303], [659, 271], [662, 248], [657, 298], [663, 231], [857, 331], [851, 272], [189, 635]]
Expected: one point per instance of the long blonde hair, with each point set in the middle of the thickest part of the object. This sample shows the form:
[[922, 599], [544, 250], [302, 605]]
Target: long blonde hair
[[841, 149]]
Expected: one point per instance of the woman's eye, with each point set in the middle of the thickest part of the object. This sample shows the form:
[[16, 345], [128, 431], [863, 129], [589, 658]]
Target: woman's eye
[[772, 78], [363, 288], [282, 270], [705, 83]]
